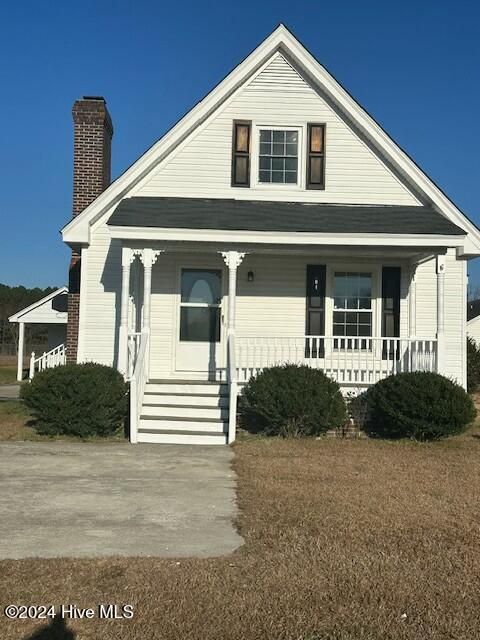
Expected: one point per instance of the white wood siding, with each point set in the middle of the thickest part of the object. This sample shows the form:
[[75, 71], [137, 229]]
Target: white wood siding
[[100, 298], [455, 305], [274, 304], [277, 96]]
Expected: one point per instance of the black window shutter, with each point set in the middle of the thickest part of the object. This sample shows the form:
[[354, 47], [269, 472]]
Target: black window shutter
[[241, 153], [315, 309], [391, 302], [315, 156], [391, 310]]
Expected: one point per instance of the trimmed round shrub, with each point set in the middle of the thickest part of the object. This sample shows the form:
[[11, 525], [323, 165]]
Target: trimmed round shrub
[[292, 400], [420, 405], [77, 399], [473, 365]]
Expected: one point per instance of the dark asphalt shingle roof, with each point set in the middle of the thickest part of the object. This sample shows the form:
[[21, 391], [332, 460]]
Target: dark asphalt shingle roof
[[249, 215]]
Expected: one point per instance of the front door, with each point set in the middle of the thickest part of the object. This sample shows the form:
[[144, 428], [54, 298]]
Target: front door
[[199, 328]]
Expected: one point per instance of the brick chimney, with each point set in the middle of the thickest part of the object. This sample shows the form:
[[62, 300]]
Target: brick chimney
[[92, 142]]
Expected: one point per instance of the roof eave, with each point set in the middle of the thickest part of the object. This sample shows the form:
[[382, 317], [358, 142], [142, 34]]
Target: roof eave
[[159, 234], [16, 316]]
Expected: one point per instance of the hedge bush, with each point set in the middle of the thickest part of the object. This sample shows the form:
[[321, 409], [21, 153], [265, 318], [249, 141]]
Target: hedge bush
[[420, 405], [292, 400], [473, 365], [77, 399]]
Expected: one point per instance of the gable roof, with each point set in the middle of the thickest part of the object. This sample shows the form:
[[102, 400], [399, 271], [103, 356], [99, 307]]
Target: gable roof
[[281, 39], [17, 317], [251, 215]]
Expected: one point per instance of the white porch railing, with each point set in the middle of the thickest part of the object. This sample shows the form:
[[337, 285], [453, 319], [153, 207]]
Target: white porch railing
[[138, 380], [133, 346], [49, 359], [349, 361], [233, 388]]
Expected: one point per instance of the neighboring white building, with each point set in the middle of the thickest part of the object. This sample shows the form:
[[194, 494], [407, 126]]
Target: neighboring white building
[[51, 310], [473, 320], [276, 222]]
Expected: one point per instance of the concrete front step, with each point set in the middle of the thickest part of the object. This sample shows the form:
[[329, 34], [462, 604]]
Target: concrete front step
[[182, 411], [161, 423], [187, 387], [185, 399], [179, 437]]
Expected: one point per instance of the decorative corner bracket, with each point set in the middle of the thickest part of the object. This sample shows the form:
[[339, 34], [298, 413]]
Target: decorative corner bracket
[[233, 259]]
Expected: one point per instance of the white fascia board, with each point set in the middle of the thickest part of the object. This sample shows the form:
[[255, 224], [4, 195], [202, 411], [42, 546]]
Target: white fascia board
[[17, 317], [155, 234], [78, 229], [374, 131]]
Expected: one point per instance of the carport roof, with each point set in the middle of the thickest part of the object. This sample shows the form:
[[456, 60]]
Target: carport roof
[[295, 217]]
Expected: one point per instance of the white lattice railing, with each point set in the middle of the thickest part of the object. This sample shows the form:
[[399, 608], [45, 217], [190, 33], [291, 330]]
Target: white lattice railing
[[49, 359], [138, 380], [349, 361], [133, 346]]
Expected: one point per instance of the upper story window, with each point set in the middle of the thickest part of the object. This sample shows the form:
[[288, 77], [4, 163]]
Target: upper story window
[[275, 155], [278, 156]]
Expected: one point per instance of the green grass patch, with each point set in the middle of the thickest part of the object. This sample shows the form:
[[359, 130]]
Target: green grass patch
[[8, 374], [16, 424]]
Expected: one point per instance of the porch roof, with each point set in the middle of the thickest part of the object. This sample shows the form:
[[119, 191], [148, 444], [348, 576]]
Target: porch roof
[[296, 217]]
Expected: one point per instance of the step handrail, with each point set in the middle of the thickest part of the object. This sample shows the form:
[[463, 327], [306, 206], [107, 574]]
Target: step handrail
[[138, 381], [49, 359]]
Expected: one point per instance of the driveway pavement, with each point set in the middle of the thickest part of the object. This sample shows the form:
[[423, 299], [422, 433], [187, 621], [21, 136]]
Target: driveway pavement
[[63, 499]]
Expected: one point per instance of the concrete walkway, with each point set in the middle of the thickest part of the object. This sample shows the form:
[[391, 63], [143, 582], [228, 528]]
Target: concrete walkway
[[83, 500], [9, 391]]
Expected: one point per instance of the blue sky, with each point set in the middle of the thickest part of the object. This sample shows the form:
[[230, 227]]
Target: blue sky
[[413, 65]]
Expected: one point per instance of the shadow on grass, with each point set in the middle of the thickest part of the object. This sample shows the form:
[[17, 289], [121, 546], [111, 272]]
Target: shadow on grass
[[55, 630]]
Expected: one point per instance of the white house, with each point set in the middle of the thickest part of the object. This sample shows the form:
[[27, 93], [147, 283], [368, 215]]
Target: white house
[[51, 310], [275, 222]]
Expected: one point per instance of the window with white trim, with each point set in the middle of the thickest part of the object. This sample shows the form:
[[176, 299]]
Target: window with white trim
[[352, 308], [278, 156]]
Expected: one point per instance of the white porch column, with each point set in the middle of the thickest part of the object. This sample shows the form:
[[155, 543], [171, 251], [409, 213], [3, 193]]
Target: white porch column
[[233, 260], [441, 264], [412, 302], [148, 258], [123, 332], [21, 349]]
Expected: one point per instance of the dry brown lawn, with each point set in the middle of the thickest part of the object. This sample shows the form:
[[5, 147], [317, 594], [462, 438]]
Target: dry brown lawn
[[14, 422], [344, 539]]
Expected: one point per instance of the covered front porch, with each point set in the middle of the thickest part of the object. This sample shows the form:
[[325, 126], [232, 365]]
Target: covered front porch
[[198, 312]]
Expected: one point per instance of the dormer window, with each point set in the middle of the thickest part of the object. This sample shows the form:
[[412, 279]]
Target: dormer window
[[278, 156]]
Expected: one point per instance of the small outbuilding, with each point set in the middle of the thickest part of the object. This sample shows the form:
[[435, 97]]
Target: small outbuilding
[[51, 311], [473, 320]]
